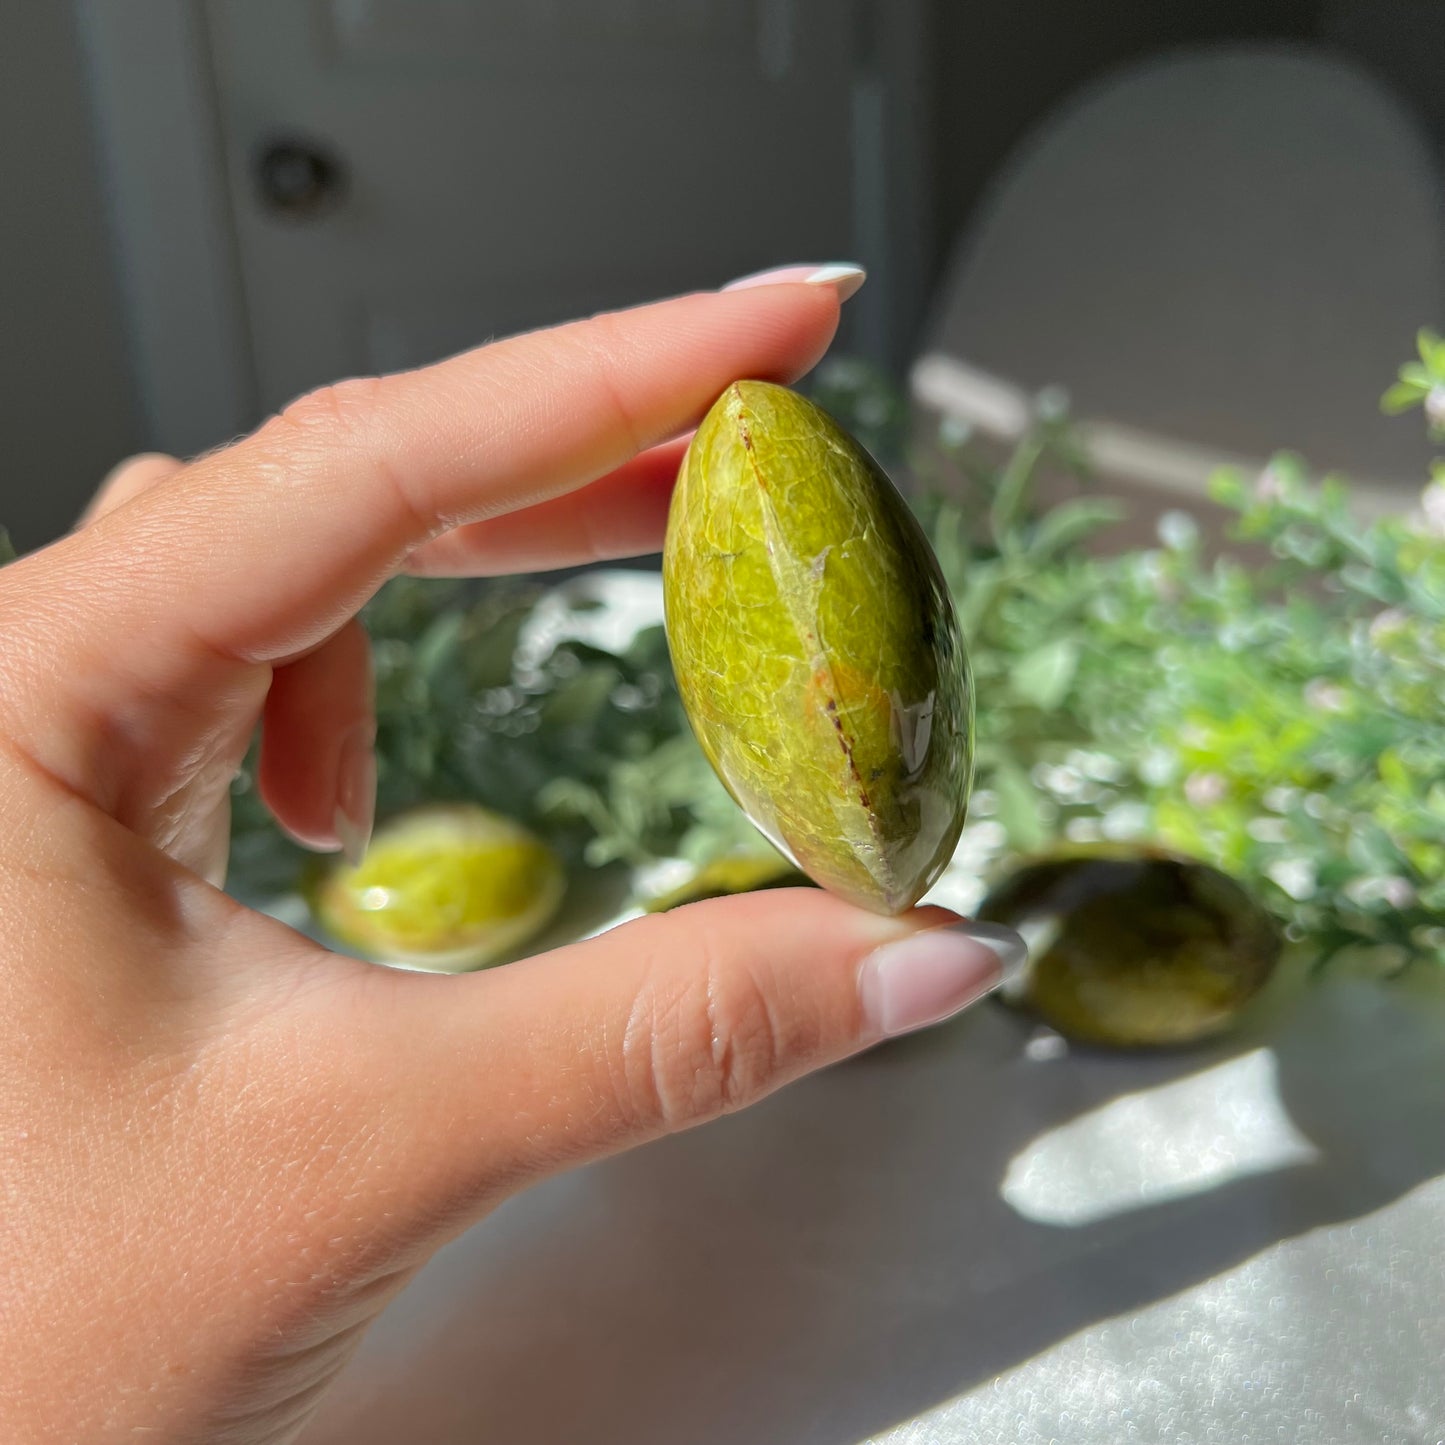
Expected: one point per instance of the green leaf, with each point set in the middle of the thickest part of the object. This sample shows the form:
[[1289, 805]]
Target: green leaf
[[578, 701], [489, 645], [1402, 396], [1018, 807], [7, 550], [985, 583], [1010, 499], [1045, 675], [1416, 375], [1070, 523], [435, 647], [1432, 350], [1227, 487], [1370, 848]]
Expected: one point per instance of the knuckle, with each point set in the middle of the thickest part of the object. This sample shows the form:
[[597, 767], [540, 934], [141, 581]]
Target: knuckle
[[601, 341], [340, 410], [348, 416], [699, 1043]]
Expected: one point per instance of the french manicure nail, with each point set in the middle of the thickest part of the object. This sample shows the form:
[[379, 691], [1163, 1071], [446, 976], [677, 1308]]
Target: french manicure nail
[[844, 277], [930, 976], [356, 792]]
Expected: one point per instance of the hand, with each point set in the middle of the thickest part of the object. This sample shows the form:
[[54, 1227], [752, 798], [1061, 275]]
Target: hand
[[222, 1148]]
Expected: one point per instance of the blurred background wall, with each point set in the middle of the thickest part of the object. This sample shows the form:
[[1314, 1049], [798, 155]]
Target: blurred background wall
[[870, 129], [68, 407]]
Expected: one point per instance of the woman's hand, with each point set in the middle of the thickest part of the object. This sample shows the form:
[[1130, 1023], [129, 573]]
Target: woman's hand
[[222, 1148]]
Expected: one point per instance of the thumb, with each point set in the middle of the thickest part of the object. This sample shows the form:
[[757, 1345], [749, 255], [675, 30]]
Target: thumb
[[656, 1026]]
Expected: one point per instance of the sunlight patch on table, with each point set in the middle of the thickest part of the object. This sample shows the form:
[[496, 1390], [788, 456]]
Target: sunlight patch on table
[[1165, 1143]]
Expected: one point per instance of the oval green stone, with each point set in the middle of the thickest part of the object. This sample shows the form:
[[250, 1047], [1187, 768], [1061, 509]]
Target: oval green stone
[[816, 648], [1134, 947]]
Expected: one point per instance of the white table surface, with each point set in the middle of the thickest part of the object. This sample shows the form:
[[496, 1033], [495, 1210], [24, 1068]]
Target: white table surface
[[842, 1263]]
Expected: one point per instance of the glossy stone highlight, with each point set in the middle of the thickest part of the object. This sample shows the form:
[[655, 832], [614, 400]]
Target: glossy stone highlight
[[816, 647]]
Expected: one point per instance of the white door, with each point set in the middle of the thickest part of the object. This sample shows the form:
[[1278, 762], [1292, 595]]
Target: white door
[[406, 178]]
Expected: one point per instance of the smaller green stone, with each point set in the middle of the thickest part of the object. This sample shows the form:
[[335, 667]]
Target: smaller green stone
[[726, 876], [1134, 947]]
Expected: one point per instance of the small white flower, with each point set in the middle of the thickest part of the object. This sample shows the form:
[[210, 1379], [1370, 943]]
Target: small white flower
[[1178, 531], [1128, 820], [954, 432], [1390, 889], [1268, 830], [990, 836], [1325, 695], [1296, 876], [1158, 767], [1061, 781], [1099, 766]]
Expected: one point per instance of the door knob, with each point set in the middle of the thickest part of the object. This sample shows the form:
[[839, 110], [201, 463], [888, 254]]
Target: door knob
[[299, 178]]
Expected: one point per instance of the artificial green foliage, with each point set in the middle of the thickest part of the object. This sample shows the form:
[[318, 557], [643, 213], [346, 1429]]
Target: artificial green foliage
[[1282, 723], [588, 747]]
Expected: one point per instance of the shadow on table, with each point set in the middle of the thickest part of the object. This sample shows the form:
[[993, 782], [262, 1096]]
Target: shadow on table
[[840, 1259]]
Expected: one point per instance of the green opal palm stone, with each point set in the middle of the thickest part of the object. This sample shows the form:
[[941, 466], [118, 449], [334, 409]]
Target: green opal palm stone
[[816, 648], [1133, 946]]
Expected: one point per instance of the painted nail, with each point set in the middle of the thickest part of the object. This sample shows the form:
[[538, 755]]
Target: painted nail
[[843, 276], [930, 976], [356, 791]]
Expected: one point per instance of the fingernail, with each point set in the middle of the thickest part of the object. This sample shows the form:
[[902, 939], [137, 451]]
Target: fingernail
[[929, 976], [356, 792], [843, 276]]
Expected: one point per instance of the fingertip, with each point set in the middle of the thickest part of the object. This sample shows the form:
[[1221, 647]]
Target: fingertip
[[316, 734], [801, 322], [128, 479], [148, 463]]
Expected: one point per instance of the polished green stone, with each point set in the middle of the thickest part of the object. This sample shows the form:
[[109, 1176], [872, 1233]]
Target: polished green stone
[[816, 647], [1135, 947], [725, 876]]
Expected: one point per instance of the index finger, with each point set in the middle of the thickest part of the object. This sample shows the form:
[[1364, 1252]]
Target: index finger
[[262, 550]]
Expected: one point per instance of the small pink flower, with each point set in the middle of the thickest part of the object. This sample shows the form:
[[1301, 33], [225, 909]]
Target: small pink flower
[[1391, 620], [1203, 790], [1269, 486], [1432, 504]]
